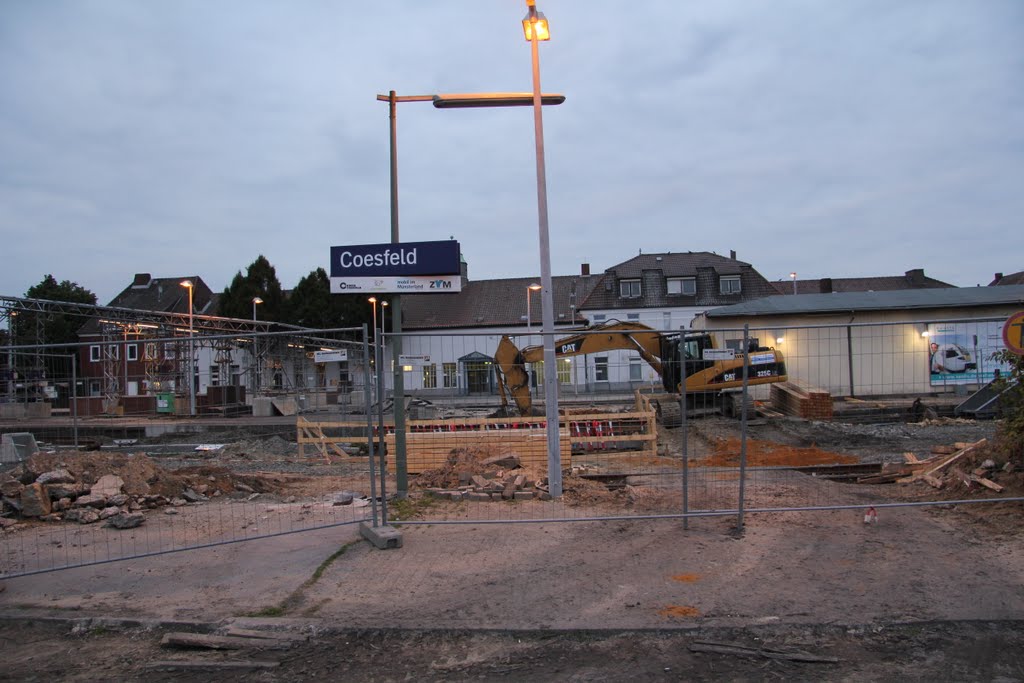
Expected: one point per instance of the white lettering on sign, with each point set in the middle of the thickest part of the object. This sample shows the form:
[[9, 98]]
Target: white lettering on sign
[[386, 258], [330, 356], [413, 360], [719, 354], [758, 358]]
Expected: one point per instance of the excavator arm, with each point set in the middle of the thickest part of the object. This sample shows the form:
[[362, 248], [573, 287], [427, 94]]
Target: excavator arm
[[514, 378]]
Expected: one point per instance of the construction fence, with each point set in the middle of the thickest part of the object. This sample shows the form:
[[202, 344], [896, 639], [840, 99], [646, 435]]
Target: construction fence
[[305, 433]]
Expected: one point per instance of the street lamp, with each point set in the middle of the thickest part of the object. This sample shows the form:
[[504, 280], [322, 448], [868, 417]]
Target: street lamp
[[255, 348], [440, 101], [535, 28], [189, 285], [793, 277], [532, 288]]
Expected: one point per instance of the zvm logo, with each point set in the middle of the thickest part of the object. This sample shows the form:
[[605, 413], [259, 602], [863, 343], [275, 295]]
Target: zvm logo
[[440, 284]]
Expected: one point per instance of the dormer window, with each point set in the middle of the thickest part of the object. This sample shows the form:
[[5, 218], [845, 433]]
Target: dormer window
[[629, 289], [729, 284], [686, 286]]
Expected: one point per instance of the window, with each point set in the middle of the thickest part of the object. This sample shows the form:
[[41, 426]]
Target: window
[[737, 344], [632, 316], [450, 377], [682, 285], [601, 368], [430, 376], [600, 317], [629, 289], [214, 375], [564, 370], [149, 352], [94, 354], [730, 284], [636, 371], [94, 387], [132, 352]]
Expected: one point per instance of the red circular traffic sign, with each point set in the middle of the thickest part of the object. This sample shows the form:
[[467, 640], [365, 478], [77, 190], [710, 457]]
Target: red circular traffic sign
[[1013, 333]]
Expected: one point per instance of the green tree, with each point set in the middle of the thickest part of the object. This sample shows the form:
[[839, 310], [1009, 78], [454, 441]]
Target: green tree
[[31, 327], [260, 280], [311, 304], [1011, 404]]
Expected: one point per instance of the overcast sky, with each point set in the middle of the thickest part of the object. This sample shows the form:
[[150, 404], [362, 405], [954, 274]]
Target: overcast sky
[[835, 139]]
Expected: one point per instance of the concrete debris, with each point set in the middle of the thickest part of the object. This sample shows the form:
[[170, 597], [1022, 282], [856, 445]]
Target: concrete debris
[[35, 501], [56, 477], [107, 485], [192, 496], [126, 520]]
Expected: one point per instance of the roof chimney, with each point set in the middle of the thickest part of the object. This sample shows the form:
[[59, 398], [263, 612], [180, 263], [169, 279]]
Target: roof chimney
[[998, 277], [916, 275], [141, 280], [585, 269], [732, 254], [826, 285]]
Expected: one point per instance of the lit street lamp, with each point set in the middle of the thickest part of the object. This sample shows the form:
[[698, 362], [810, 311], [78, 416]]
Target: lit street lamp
[[255, 348], [440, 101], [532, 288], [189, 285], [535, 28]]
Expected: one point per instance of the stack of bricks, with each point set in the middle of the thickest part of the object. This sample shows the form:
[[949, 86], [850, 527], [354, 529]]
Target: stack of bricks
[[807, 402]]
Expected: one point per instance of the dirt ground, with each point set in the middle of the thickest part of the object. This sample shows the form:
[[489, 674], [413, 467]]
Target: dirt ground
[[934, 593]]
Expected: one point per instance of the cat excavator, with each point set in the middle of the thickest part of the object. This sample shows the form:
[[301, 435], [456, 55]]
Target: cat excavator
[[710, 369]]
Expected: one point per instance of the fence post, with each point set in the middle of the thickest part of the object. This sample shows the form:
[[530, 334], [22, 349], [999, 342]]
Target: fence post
[[743, 427], [367, 391], [684, 427], [849, 356]]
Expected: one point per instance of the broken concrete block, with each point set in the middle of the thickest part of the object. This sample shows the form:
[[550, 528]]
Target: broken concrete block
[[126, 520], [524, 495], [508, 461], [11, 488], [192, 497], [55, 477], [35, 501], [87, 516], [90, 500], [107, 485], [108, 512], [17, 447]]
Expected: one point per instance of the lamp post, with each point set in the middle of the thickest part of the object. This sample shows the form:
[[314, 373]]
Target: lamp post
[[255, 348], [189, 285], [793, 277], [535, 28], [532, 288], [440, 101]]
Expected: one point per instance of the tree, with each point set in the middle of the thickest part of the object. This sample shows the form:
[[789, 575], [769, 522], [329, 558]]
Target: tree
[[260, 280], [1011, 428], [31, 327], [311, 304]]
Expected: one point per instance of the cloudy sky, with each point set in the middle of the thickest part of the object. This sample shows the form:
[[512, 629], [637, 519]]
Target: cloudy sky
[[834, 139]]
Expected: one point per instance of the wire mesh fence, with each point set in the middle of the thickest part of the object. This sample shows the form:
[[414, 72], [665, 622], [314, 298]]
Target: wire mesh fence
[[291, 431]]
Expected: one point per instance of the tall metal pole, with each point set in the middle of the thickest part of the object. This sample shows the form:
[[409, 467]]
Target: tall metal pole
[[74, 398], [191, 357], [547, 301], [402, 483], [369, 423]]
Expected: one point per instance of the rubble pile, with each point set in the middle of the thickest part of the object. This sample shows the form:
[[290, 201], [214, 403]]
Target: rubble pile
[[473, 475], [111, 487]]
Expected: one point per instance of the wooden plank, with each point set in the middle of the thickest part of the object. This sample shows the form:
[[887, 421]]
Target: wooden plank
[[987, 483], [932, 481], [206, 641], [911, 458], [956, 456]]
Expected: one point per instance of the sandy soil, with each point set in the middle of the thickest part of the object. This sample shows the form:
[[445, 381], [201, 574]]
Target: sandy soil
[[926, 593]]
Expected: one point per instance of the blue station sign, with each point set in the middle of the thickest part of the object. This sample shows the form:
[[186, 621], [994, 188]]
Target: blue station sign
[[405, 258], [408, 267]]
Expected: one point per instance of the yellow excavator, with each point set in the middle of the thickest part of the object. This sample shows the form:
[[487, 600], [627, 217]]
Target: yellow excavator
[[709, 369]]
